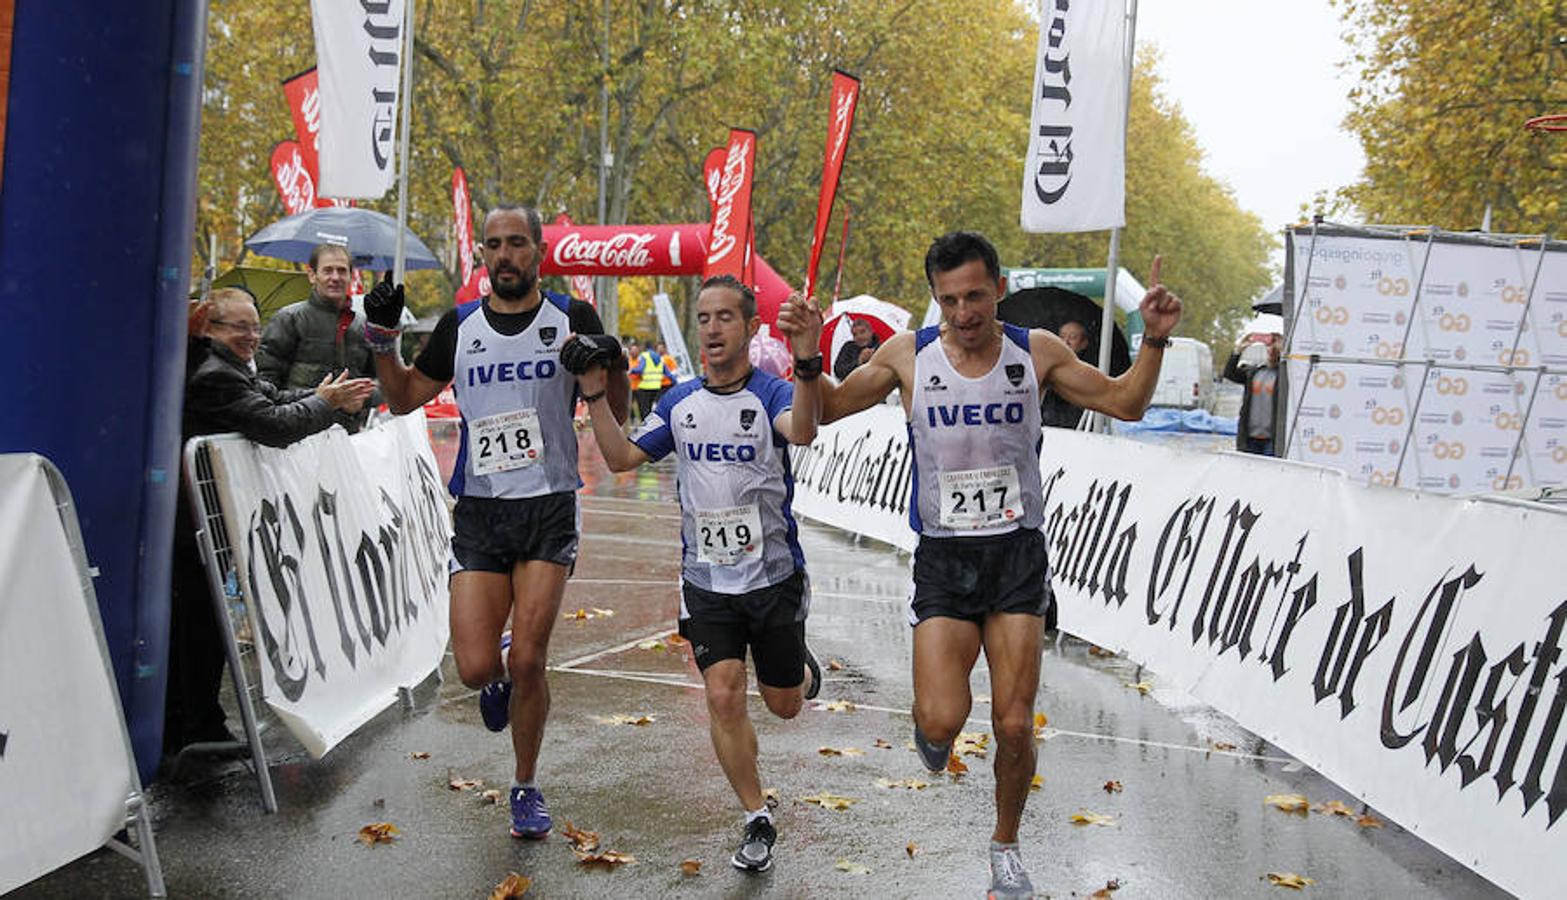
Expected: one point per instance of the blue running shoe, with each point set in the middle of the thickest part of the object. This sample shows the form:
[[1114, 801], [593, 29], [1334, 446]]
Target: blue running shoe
[[495, 697], [934, 756], [530, 816]]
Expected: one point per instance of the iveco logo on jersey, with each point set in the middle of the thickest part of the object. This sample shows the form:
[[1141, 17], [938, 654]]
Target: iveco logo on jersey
[[974, 414], [526, 370], [721, 452]]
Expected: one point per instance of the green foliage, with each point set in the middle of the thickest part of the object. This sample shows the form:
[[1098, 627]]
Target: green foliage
[[511, 91], [1445, 87]]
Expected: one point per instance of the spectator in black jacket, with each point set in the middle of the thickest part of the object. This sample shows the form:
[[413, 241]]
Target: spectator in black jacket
[[224, 394], [857, 350], [1261, 402]]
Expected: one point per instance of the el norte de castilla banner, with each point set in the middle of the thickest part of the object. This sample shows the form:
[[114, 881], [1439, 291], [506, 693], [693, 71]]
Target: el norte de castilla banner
[[340, 548], [1406, 645]]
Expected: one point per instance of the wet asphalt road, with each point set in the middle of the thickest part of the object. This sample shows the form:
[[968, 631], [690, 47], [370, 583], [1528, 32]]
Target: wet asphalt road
[[1189, 822]]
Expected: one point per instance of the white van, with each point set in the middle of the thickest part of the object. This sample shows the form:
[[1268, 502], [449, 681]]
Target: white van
[[1186, 377]]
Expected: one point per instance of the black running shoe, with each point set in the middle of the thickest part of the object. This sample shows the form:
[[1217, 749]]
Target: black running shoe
[[813, 685], [755, 853], [934, 756]]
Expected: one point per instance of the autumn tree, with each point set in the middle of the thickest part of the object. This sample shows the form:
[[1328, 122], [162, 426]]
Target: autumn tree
[[1444, 89]]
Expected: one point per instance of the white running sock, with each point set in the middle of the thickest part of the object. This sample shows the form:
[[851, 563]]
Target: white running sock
[[763, 813]]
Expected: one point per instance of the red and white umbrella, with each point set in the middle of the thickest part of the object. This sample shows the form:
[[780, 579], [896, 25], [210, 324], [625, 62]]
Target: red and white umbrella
[[884, 318]]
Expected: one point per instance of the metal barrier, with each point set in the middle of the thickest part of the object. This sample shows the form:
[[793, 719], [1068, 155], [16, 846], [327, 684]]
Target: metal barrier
[[223, 581]]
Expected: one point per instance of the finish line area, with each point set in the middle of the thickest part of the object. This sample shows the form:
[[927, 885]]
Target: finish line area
[[1190, 818]]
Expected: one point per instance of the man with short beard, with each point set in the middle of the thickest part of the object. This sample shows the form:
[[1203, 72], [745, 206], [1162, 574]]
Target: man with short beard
[[516, 523]]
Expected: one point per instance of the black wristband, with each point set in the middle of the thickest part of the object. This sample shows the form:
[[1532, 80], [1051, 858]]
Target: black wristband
[[807, 369], [1160, 342], [593, 398]]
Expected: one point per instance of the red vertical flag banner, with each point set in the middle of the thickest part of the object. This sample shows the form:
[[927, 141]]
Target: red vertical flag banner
[[304, 104], [462, 224], [728, 243], [712, 174], [292, 177], [840, 121], [582, 285]]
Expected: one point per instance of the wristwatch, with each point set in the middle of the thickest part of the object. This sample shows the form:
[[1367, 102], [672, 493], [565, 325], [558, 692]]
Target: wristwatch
[[1160, 342], [806, 369]]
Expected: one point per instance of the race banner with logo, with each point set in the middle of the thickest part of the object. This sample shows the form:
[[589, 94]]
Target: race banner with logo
[[840, 122], [1074, 177], [304, 105], [462, 225], [728, 245], [1385, 336], [582, 285], [291, 175], [340, 545], [1406, 645], [359, 51]]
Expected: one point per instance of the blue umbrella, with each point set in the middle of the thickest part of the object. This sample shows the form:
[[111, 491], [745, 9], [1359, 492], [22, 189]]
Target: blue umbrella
[[371, 238]]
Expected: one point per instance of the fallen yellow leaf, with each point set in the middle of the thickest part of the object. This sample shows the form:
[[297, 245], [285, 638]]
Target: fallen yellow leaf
[[656, 645], [581, 839], [1368, 821], [838, 706], [378, 833], [853, 868], [909, 784], [770, 798], [676, 640], [1141, 687], [510, 888], [622, 719], [1112, 787], [690, 867], [1037, 782], [830, 801], [1289, 880], [955, 766], [606, 858], [1334, 808], [834, 666], [462, 784], [1084, 817], [835, 751], [419, 754], [1104, 893], [606, 613], [1041, 720], [1291, 803], [971, 743], [490, 796], [911, 848], [1225, 746]]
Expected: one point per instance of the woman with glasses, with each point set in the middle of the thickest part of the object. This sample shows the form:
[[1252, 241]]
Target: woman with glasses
[[223, 394]]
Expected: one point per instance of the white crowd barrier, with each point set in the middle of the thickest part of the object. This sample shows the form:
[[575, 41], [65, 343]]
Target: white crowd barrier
[[339, 547], [68, 779], [1406, 645]]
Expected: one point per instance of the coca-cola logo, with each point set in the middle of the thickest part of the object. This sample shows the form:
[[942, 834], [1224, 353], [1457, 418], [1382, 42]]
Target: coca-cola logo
[[626, 250], [840, 123], [724, 239], [294, 182], [310, 108]]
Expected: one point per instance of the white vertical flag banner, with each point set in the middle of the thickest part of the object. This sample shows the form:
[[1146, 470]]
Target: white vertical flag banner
[[1074, 176], [359, 48]]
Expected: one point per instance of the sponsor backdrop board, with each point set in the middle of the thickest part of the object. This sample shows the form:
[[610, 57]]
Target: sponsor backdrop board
[[1418, 666], [344, 576], [1416, 359]]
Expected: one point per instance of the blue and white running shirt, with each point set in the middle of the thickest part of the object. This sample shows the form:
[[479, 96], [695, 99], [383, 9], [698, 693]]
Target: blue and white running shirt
[[516, 402], [736, 527], [976, 441]]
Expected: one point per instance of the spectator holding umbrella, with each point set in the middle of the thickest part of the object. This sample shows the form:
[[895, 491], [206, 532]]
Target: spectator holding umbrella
[[857, 351]]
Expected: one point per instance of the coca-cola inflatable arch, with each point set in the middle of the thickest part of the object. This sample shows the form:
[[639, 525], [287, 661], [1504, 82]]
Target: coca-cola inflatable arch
[[629, 250]]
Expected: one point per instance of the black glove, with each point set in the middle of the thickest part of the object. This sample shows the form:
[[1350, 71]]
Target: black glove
[[584, 351], [384, 303]]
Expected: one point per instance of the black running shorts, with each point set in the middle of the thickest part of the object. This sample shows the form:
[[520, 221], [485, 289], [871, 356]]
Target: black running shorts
[[492, 535], [971, 577], [771, 621]]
